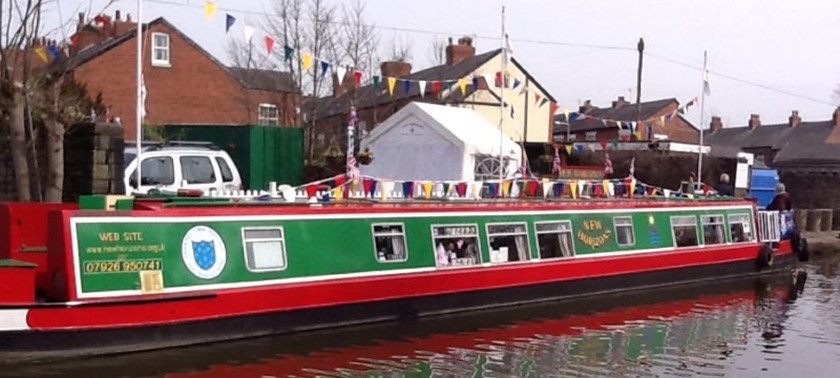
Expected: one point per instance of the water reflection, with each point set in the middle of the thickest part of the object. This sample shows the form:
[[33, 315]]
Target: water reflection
[[783, 325]]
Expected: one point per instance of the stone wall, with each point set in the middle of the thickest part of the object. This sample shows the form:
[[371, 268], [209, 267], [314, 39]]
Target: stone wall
[[93, 160]]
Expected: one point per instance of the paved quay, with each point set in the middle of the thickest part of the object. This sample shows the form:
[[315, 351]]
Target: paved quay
[[823, 242]]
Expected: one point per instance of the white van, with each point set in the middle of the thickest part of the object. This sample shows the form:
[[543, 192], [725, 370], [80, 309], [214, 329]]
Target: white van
[[170, 168]]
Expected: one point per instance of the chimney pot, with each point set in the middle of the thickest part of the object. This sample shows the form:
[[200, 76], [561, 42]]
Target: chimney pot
[[754, 122], [794, 119], [716, 124], [619, 102], [457, 53], [586, 107], [117, 15], [128, 17]]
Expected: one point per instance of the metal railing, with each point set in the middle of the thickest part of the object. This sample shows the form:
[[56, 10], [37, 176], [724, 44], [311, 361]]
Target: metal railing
[[769, 226]]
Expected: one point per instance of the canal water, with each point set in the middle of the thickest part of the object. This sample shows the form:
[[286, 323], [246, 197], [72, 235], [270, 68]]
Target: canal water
[[787, 325]]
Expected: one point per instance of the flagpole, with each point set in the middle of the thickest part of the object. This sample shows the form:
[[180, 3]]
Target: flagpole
[[702, 108], [138, 137], [502, 100]]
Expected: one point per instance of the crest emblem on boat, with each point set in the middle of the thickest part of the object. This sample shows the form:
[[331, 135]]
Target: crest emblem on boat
[[203, 252]]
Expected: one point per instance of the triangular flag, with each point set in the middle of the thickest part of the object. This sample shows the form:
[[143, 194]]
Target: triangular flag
[[54, 52], [287, 52], [476, 82], [391, 83], [427, 189], [306, 61], [506, 189], [377, 82], [573, 189], [229, 21], [436, 89], [340, 71], [269, 44], [422, 85], [326, 66], [357, 78], [463, 85], [569, 149], [408, 189], [249, 32], [516, 83], [461, 189], [544, 100], [446, 188], [537, 97], [546, 187], [209, 9], [553, 108], [406, 86], [476, 189], [42, 54]]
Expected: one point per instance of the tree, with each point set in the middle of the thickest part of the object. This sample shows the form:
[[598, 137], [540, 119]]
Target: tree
[[400, 50], [437, 51]]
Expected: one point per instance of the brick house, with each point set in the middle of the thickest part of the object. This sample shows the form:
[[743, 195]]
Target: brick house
[[593, 129], [805, 153], [185, 84], [527, 117]]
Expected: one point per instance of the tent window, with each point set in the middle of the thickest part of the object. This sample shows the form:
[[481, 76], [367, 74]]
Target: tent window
[[487, 167], [456, 245]]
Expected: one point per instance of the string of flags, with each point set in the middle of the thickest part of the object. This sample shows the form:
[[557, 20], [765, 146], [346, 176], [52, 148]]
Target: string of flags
[[342, 187]]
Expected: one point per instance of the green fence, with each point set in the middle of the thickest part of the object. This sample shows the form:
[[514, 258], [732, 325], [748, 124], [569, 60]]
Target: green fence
[[262, 154]]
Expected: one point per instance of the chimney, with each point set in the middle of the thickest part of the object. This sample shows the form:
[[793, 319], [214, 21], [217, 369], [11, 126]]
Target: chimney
[[586, 107], [81, 23], [620, 102], [395, 69], [794, 119], [117, 16], [754, 122], [457, 53], [128, 17], [716, 124], [340, 88], [836, 117]]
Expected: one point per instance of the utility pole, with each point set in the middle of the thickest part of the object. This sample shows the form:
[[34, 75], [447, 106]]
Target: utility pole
[[641, 47]]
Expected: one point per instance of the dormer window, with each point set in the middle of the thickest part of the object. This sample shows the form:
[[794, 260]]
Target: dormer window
[[160, 50]]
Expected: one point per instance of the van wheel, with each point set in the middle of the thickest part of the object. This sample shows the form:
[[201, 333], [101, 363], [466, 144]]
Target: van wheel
[[765, 257]]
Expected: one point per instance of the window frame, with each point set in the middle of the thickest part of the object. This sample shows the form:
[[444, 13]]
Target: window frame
[[224, 167], [571, 232], [282, 242], [373, 239], [632, 230], [674, 234], [746, 221], [524, 232], [591, 136], [477, 239], [168, 48], [726, 237], [268, 120]]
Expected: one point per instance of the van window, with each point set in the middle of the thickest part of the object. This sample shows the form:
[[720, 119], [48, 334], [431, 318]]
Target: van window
[[155, 171], [227, 174], [197, 170]]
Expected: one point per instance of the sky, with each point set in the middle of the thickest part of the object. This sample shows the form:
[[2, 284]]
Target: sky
[[765, 57]]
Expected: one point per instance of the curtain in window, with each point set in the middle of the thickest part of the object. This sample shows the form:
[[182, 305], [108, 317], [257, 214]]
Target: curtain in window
[[521, 247], [398, 247], [565, 244]]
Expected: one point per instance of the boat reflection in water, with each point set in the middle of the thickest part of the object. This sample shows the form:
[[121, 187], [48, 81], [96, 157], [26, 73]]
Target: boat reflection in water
[[690, 330]]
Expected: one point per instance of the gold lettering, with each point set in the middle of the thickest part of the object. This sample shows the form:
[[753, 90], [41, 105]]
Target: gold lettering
[[109, 237], [133, 236]]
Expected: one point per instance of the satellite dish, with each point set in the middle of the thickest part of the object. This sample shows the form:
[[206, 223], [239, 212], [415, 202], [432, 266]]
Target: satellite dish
[[288, 192]]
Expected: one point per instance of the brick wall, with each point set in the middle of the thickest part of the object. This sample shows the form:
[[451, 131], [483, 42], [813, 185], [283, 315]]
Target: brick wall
[[812, 190], [194, 89]]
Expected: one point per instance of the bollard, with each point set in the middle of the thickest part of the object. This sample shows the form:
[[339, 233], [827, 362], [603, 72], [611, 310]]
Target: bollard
[[826, 219], [799, 218], [812, 223]]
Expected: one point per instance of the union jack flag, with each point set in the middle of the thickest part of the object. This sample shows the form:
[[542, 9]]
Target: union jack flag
[[608, 169]]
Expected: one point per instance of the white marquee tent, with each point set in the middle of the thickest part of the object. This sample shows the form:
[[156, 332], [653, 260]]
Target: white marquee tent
[[434, 142]]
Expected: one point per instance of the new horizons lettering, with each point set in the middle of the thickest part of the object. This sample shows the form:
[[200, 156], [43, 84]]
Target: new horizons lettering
[[593, 234]]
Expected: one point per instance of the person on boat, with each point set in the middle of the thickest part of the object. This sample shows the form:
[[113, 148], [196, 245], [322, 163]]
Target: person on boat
[[723, 187], [781, 202]]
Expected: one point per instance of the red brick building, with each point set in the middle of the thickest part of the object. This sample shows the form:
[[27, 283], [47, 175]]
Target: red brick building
[[185, 84], [592, 128]]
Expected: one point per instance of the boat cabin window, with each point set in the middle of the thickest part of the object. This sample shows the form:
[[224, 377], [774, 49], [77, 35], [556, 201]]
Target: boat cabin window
[[740, 229], [508, 242], [554, 239], [389, 242], [456, 245], [624, 231], [714, 231], [265, 249], [197, 170], [685, 230]]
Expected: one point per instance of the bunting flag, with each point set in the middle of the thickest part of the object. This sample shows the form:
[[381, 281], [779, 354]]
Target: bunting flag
[[408, 189], [287, 52], [546, 187], [573, 189], [269, 44], [391, 83], [463, 85], [306, 62], [377, 82], [340, 72], [325, 66], [406, 87], [461, 189], [537, 98], [42, 54], [476, 82], [569, 149], [543, 102], [506, 189], [516, 83], [249, 33], [435, 87], [422, 85], [357, 78], [209, 9], [553, 108], [229, 21], [427, 190], [54, 52]]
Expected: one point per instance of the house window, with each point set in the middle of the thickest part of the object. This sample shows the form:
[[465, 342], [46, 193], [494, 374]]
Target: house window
[[268, 115], [554, 239], [591, 136], [265, 249], [160, 50], [740, 229], [389, 242], [714, 231], [508, 242], [624, 231], [456, 245], [685, 230]]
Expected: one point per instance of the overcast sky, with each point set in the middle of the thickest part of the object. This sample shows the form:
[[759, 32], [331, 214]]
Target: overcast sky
[[581, 50]]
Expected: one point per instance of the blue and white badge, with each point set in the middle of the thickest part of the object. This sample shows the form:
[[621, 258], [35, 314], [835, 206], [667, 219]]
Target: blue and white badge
[[203, 252]]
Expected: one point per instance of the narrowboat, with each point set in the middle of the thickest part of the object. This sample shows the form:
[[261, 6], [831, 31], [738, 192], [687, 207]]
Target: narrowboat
[[120, 274]]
